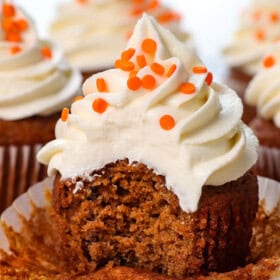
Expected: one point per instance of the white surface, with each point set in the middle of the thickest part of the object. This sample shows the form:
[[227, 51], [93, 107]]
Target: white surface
[[211, 22]]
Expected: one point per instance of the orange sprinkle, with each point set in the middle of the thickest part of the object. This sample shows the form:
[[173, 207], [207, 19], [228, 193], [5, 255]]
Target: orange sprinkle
[[99, 105], [128, 54], [171, 70], [65, 114], [118, 63], [127, 65], [149, 46], [134, 83], [260, 35], [82, 1], [8, 10], [137, 12], [138, 1], [268, 61], [187, 88], [274, 17], [7, 24], [101, 85], [154, 4], [168, 16], [15, 50], [46, 52], [209, 79], [13, 37], [77, 98], [199, 69], [22, 24], [167, 122], [148, 82], [157, 68], [141, 61]]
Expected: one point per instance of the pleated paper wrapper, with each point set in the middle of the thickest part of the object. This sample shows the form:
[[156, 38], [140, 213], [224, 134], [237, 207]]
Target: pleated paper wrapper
[[19, 228], [19, 170]]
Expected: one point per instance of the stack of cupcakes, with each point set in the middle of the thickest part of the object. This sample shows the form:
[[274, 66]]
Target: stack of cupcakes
[[35, 83], [93, 33]]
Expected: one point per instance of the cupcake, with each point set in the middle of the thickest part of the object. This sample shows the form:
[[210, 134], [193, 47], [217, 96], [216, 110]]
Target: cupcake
[[93, 33], [257, 32], [263, 93], [35, 83], [153, 167]]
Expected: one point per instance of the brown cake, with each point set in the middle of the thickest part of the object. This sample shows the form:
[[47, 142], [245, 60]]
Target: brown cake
[[153, 166], [35, 84], [128, 217]]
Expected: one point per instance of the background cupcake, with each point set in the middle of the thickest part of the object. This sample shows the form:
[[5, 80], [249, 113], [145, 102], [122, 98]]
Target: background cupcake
[[93, 33], [264, 93], [35, 83], [258, 29]]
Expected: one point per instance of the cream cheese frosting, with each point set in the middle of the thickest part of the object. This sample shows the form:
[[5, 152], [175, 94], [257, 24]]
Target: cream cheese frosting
[[35, 79], [264, 90], [94, 32], [258, 29], [166, 113]]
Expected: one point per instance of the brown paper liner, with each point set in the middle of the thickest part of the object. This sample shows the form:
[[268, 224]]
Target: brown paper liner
[[268, 164], [19, 169], [26, 236]]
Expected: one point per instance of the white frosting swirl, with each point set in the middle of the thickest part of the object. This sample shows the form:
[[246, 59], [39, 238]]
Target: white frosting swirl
[[259, 28], [264, 90], [31, 84], [94, 33], [208, 145]]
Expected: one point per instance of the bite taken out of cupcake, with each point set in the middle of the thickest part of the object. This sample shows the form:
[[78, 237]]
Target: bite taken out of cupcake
[[153, 166], [258, 30], [93, 33], [35, 83], [263, 93]]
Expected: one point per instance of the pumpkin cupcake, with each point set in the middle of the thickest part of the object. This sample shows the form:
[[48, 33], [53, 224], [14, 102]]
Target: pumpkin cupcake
[[264, 94], [153, 167], [258, 30], [35, 83], [93, 33]]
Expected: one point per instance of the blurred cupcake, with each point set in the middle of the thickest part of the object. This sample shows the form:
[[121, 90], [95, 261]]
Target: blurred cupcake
[[94, 32], [35, 83], [264, 93], [139, 170], [259, 28]]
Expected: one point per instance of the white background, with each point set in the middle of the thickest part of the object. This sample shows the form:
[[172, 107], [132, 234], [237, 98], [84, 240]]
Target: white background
[[210, 21]]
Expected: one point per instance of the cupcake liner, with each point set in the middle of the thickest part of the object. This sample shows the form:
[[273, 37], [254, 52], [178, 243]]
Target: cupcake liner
[[268, 162], [19, 169], [14, 220]]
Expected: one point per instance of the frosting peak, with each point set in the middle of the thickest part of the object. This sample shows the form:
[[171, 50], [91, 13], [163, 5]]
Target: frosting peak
[[160, 107], [34, 77], [97, 43]]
